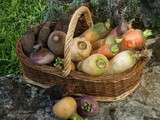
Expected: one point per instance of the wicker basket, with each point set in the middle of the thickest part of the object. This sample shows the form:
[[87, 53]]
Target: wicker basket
[[104, 88]]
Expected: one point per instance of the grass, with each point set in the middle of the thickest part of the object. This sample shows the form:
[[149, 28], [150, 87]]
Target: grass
[[15, 17]]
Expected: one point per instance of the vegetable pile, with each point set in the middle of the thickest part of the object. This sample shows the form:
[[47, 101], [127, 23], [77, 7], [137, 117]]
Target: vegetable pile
[[97, 51], [75, 109]]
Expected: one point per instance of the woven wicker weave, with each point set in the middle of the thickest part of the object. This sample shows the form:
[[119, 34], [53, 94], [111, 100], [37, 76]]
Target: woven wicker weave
[[104, 88]]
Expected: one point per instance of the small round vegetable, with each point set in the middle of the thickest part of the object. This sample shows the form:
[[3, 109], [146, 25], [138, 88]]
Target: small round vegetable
[[96, 32], [96, 64], [80, 49], [41, 57], [56, 42], [135, 38], [65, 108], [87, 106]]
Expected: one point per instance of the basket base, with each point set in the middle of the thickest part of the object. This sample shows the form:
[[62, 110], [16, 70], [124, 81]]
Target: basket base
[[98, 98]]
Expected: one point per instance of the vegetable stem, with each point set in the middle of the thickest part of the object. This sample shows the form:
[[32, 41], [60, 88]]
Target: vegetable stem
[[147, 33]]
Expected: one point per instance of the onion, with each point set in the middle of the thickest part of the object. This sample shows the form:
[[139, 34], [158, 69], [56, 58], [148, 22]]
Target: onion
[[95, 65], [80, 49]]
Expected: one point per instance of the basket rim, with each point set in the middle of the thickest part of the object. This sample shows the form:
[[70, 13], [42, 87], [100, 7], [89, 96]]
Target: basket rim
[[76, 74]]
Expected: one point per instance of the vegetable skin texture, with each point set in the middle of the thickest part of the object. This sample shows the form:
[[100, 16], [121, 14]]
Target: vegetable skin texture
[[27, 42], [120, 29], [133, 38], [98, 31], [94, 65], [122, 62], [42, 57], [65, 108], [80, 49], [44, 34], [87, 106], [56, 43], [110, 47], [97, 44]]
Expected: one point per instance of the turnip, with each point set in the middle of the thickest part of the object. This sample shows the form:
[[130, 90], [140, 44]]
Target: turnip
[[120, 29], [41, 57], [27, 42], [65, 108], [110, 47], [123, 61], [96, 32], [94, 65], [44, 34], [135, 38], [80, 49], [56, 42], [87, 106]]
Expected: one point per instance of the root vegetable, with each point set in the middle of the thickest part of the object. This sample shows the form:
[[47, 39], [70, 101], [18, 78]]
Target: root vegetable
[[95, 65], [44, 34], [109, 48], [56, 42], [134, 38], [28, 42], [87, 106], [97, 44], [123, 61], [80, 49], [65, 108], [120, 29], [98, 31], [41, 57]]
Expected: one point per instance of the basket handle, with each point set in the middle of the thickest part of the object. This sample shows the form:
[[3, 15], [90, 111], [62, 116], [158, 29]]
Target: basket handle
[[70, 34]]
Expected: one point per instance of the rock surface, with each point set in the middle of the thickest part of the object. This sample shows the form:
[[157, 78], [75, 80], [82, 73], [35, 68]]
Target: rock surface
[[21, 101]]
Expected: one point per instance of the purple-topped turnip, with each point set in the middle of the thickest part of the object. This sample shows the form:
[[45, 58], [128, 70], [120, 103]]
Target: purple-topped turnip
[[87, 106], [41, 57]]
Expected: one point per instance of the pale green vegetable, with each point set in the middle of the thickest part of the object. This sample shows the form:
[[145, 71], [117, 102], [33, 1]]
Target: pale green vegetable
[[95, 65], [123, 61]]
